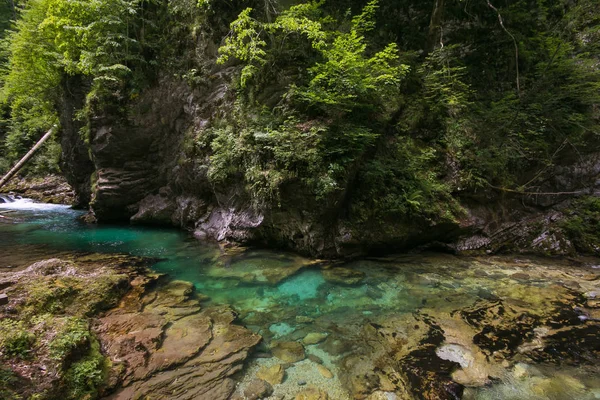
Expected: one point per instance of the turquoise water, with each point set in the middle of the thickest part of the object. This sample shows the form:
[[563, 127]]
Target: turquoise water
[[395, 306]]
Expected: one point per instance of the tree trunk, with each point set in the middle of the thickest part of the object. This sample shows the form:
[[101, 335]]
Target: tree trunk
[[25, 158], [435, 26], [14, 9]]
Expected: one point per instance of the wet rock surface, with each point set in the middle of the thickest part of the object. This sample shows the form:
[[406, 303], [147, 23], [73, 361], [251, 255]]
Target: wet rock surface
[[51, 305], [467, 325], [170, 347], [417, 326], [49, 189], [160, 342]]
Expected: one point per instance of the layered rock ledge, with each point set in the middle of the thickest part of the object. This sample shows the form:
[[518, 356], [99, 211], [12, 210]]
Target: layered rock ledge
[[105, 326]]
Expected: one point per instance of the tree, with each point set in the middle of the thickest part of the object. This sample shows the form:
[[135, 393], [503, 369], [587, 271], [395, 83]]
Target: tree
[[435, 33]]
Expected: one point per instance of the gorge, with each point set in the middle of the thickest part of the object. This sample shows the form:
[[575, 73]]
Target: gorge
[[287, 199]]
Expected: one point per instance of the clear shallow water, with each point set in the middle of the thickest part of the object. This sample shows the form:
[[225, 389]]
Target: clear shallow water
[[498, 317]]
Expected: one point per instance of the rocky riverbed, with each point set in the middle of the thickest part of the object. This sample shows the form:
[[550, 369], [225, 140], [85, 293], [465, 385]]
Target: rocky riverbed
[[123, 312]]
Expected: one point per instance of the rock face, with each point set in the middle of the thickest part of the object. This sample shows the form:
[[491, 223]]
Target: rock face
[[161, 343], [166, 346], [142, 165], [49, 189]]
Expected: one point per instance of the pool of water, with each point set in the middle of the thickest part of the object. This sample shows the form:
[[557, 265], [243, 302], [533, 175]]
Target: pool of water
[[436, 325]]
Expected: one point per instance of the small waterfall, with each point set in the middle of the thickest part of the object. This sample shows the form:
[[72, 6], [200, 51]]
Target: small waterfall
[[6, 198]]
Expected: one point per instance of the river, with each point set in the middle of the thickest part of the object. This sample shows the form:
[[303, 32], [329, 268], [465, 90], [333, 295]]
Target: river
[[510, 327]]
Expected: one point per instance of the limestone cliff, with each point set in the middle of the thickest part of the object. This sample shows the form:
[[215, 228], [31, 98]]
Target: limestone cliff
[[144, 172], [144, 152]]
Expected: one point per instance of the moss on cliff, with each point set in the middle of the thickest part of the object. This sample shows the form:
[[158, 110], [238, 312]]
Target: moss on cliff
[[583, 224]]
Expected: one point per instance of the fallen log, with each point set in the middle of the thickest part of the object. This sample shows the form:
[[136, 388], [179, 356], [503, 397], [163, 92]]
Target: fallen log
[[26, 157]]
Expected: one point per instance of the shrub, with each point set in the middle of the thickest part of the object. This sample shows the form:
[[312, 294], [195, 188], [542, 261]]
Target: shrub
[[583, 225], [72, 336], [15, 339], [85, 376]]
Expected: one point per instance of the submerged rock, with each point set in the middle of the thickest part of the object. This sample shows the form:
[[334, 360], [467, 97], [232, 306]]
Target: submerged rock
[[380, 395], [274, 375], [301, 319], [312, 393], [314, 338], [456, 353], [344, 276], [257, 389], [289, 352]]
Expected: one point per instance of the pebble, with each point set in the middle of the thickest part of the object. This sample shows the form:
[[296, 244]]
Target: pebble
[[324, 371], [315, 359], [257, 389], [274, 374], [289, 352], [301, 383], [314, 338]]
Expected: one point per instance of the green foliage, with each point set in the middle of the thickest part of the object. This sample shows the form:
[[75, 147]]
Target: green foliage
[[404, 182], [100, 39], [85, 376], [346, 80], [343, 76], [30, 83], [245, 44], [533, 130], [8, 382], [269, 151], [72, 336], [583, 225], [15, 339], [246, 41], [52, 296], [335, 98]]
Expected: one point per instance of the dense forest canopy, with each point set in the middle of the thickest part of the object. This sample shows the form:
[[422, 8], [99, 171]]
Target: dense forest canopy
[[393, 107]]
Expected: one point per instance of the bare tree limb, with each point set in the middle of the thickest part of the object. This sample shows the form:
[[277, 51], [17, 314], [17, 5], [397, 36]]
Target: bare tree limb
[[435, 26], [490, 5], [536, 193]]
